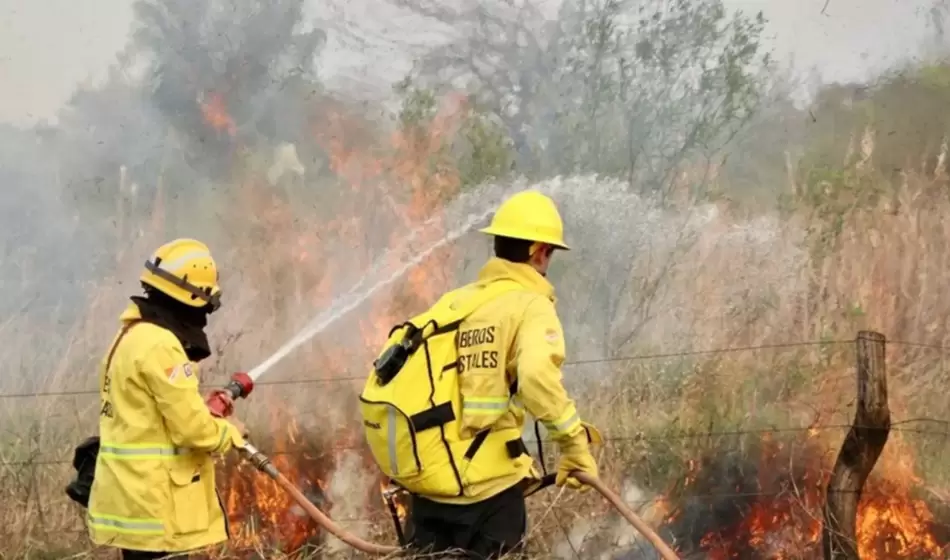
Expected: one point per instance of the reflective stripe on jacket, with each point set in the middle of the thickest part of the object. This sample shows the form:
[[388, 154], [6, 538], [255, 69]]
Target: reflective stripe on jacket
[[154, 487]]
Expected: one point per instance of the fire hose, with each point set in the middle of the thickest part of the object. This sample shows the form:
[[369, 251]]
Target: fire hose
[[664, 549], [262, 463], [241, 386]]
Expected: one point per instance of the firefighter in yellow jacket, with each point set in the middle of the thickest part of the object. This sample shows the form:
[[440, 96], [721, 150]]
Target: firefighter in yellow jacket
[[494, 350], [154, 488]]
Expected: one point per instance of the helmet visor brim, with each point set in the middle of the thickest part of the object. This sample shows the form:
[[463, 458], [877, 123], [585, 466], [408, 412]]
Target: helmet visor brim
[[214, 300]]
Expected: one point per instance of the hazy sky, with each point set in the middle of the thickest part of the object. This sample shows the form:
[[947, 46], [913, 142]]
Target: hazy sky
[[48, 46]]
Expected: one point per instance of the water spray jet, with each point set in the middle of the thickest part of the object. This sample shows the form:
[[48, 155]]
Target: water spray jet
[[469, 209], [474, 207], [355, 297]]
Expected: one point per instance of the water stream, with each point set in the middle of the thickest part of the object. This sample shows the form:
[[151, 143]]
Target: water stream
[[469, 210]]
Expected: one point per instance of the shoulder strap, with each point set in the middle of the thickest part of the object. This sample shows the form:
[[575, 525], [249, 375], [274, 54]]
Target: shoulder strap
[[118, 339], [449, 312], [483, 294]]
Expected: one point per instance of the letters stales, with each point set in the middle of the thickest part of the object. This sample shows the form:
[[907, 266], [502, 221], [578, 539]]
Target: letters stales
[[477, 349]]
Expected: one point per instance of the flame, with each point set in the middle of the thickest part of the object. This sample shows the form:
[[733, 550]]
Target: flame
[[891, 522], [255, 502], [389, 191], [398, 500], [214, 110], [402, 188]]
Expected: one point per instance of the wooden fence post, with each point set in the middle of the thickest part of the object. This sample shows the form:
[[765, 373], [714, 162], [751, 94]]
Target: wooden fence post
[[859, 452]]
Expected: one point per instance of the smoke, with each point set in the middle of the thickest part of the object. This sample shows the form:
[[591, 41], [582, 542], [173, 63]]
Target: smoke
[[209, 96], [629, 252], [347, 485], [616, 236], [215, 123]]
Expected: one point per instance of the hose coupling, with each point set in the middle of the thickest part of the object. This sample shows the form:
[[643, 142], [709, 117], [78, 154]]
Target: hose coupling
[[260, 461]]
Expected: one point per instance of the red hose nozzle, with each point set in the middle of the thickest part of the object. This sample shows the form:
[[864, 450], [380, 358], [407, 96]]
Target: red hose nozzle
[[239, 387]]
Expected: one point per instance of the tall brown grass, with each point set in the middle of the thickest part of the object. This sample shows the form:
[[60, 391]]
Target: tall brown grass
[[856, 251]]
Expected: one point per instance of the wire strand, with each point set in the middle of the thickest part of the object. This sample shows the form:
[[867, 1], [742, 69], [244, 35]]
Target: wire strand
[[305, 450], [582, 361], [586, 361], [918, 345]]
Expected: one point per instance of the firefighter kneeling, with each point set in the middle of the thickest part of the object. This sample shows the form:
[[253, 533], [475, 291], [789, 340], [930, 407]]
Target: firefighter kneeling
[[444, 408], [154, 493]]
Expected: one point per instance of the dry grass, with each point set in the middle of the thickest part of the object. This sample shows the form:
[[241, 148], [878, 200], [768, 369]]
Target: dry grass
[[883, 269]]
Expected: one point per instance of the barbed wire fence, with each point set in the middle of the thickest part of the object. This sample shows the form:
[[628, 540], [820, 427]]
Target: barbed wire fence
[[922, 425], [575, 362]]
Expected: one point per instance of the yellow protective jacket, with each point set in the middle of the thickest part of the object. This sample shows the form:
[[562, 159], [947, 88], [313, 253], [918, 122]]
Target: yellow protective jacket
[[530, 343], [509, 352], [154, 487]]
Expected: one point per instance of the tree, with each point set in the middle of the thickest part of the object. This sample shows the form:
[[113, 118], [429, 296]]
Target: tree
[[223, 73], [639, 91], [611, 86], [902, 111], [479, 151], [200, 85]]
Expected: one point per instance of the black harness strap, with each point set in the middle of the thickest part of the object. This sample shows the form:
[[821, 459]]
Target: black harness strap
[[391, 503], [537, 439], [513, 390], [516, 448], [434, 417], [476, 444]]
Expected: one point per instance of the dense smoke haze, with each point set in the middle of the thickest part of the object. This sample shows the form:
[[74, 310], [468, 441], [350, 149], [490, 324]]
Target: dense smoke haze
[[732, 175]]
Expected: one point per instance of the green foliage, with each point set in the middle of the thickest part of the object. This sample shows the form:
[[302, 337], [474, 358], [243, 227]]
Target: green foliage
[[483, 150], [862, 139], [633, 90], [480, 150], [118, 145], [903, 112], [861, 146], [219, 78], [237, 54], [418, 107]]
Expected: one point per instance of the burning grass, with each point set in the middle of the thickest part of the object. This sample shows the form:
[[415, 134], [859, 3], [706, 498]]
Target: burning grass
[[767, 503], [697, 440], [734, 487]]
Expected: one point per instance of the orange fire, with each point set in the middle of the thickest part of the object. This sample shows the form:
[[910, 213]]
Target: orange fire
[[787, 524], [390, 191], [398, 500], [214, 110], [255, 502]]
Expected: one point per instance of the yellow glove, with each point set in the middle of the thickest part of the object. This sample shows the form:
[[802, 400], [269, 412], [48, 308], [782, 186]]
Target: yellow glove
[[594, 436], [576, 456]]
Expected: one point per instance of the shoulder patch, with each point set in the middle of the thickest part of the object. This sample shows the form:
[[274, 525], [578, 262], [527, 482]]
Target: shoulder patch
[[181, 370]]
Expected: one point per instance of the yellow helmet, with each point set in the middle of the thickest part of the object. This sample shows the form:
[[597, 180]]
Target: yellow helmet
[[184, 270], [531, 216]]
